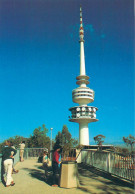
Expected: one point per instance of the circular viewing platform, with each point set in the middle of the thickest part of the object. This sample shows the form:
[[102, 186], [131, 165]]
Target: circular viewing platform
[[83, 95], [83, 113]]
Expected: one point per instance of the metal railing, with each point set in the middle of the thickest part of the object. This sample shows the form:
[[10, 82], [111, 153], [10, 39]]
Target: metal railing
[[33, 152], [115, 163], [118, 164]]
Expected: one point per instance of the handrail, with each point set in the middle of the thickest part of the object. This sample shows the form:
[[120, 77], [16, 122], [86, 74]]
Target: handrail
[[122, 165], [111, 162]]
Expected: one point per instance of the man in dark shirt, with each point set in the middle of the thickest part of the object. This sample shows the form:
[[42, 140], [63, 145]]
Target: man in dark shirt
[[2, 164], [8, 163]]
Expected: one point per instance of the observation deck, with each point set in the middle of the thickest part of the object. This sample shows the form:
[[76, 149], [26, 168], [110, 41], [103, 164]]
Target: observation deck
[[83, 113], [83, 95]]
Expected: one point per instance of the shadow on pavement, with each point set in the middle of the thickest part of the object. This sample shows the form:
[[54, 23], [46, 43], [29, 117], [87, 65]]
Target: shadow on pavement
[[91, 180], [107, 183], [38, 174]]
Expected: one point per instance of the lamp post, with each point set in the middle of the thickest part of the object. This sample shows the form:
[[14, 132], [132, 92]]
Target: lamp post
[[51, 145]]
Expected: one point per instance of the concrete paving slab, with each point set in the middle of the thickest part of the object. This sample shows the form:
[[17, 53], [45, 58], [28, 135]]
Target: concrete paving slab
[[30, 180]]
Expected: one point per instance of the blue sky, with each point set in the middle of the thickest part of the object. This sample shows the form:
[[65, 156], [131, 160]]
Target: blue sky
[[39, 62]]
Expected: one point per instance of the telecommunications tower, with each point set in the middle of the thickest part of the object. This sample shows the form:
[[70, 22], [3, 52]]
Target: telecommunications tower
[[83, 95]]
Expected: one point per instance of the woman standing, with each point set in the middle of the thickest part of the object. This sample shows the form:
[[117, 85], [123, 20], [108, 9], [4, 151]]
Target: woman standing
[[55, 165], [8, 163]]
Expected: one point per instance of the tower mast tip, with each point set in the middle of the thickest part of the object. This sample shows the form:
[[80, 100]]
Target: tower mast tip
[[81, 31]]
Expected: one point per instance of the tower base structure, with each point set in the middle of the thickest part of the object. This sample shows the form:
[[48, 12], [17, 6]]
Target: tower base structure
[[83, 134], [83, 115]]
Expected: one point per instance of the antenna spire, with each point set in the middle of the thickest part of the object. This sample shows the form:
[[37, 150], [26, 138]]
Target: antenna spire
[[81, 31], [82, 57]]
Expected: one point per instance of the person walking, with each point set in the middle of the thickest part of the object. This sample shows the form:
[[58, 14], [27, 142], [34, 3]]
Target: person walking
[[8, 163], [22, 146], [55, 167]]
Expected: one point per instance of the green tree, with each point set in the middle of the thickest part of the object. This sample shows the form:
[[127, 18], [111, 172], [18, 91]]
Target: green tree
[[1, 145], [75, 142], [99, 139], [39, 138], [16, 140], [125, 151], [130, 140], [64, 139], [58, 139]]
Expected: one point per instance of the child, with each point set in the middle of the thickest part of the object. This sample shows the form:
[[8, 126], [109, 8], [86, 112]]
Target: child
[[45, 162]]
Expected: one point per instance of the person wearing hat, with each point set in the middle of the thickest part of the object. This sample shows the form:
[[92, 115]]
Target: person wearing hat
[[55, 163]]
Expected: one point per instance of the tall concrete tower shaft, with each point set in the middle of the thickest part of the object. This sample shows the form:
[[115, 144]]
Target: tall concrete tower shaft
[[83, 95]]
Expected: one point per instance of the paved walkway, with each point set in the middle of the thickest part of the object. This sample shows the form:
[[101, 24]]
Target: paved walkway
[[30, 180]]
